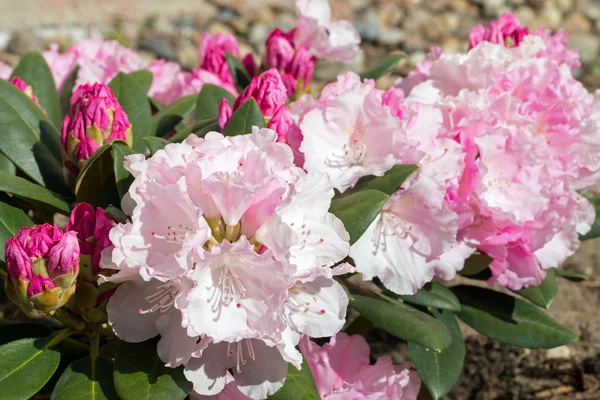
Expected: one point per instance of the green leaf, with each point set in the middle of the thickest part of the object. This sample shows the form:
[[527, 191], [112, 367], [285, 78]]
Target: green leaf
[[156, 105], [32, 68], [117, 214], [131, 93], [244, 118], [241, 78], [141, 375], [572, 276], [209, 98], [67, 91], [155, 144], [97, 171], [299, 385], [6, 165], [12, 219], [544, 294], [51, 138], [434, 295], [388, 183], [200, 128], [22, 138], [12, 332], [143, 78], [30, 191], [25, 367], [384, 67], [358, 210], [167, 118], [595, 231], [403, 321], [85, 379], [510, 320], [440, 371], [475, 265], [123, 178]]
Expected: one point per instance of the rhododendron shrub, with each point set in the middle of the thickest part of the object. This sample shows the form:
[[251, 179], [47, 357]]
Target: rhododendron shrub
[[223, 220]]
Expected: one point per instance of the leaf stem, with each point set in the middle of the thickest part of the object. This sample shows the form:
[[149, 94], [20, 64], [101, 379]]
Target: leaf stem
[[59, 336], [94, 345], [66, 318]]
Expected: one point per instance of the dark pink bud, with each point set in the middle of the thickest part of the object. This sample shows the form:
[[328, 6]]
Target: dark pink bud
[[224, 112], [268, 90], [83, 222], [250, 64], [25, 88], [18, 263], [280, 123], [279, 50], [37, 285], [103, 241], [64, 255], [39, 240], [212, 54], [507, 31]]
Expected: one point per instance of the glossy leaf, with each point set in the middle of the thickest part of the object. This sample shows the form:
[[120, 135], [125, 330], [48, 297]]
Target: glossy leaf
[[384, 67], [403, 321], [544, 294], [155, 144], [94, 174], [168, 117], [117, 214], [241, 78], [144, 78], [22, 138], [572, 276], [12, 332], [25, 367], [358, 210], [66, 92], [595, 231], [440, 371], [85, 379], [36, 194], [244, 118], [299, 385], [12, 219], [209, 98], [388, 183], [200, 129], [123, 178], [141, 375], [510, 320], [131, 93], [475, 265], [32, 69], [6, 165], [434, 295]]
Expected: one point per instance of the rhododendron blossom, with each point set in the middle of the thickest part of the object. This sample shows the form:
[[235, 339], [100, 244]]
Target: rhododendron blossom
[[212, 54], [228, 257]]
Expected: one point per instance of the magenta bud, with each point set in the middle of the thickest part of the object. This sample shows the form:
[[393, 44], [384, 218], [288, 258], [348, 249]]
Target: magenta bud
[[268, 90], [18, 263], [64, 256], [279, 50], [37, 285], [280, 123], [212, 54], [224, 112]]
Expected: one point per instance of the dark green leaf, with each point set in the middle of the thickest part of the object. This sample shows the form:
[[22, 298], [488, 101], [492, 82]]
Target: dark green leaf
[[25, 367], [358, 210], [388, 183], [12, 219], [241, 78], [30, 191], [299, 385], [141, 375], [109, 350], [94, 174], [244, 118], [12, 332], [85, 379], [123, 177], [440, 371], [403, 321], [32, 69], [6, 165], [595, 231], [156, 105], [167, 118], [209, 98], [544, 294], [475, 265], [131, 93], [572, 276], [155, 144], [143, 78], [200, 128], [384, 67], [51, 138], [510, 320], [117, 214], [434, 295], [67, 91], [21, 136]]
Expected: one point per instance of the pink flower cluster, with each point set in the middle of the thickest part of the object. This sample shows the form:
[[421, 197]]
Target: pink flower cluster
[[504, 138]]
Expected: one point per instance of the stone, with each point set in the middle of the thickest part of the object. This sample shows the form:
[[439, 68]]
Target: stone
[[369, 26], [159, 46], [391, 37], [23, 42], [577, 22], [587, 44], [526, 16], [550, 17], [187, 55], [565, 5], [560, 352]]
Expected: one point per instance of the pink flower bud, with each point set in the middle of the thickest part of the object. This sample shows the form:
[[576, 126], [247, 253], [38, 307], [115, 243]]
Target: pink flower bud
[[28, 90], [18, 263], [279, 49], [63, 257], [38, 283], [280, 123], [507, 31], [268, 90], [224, 112], [250, 64], [97, 118], [38, 241], [212, 54]]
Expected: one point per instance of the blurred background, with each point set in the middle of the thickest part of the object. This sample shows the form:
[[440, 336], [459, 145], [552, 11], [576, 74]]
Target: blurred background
[[171, 29]]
